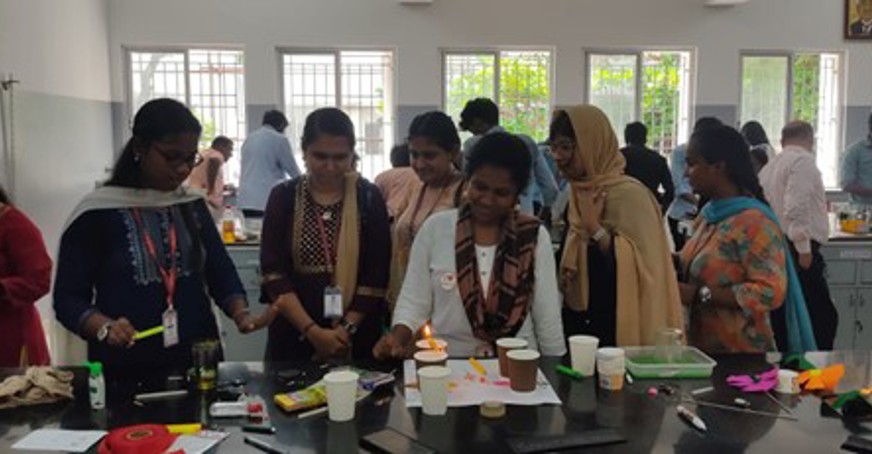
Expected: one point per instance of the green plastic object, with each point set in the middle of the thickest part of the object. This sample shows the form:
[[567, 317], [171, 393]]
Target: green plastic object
[[95, 368], [644, 362]]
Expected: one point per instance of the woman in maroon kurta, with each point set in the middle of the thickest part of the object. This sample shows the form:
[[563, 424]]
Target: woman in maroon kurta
[[25, 276]]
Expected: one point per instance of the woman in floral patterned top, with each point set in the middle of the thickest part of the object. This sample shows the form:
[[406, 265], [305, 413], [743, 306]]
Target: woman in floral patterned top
[[734, 268]]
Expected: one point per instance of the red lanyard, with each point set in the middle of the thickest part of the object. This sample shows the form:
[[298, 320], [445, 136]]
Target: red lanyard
[[167, 276], [325, 245]]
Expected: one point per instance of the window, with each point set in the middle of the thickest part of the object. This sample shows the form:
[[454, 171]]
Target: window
[[361, 83], [211, 82], [653, 87], [805, 86], [519, 81]]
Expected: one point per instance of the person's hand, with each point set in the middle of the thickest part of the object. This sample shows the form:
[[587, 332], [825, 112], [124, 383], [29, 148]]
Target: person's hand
[[687, 292], [247, 323], [121, 333], [388, 347], [328, 343], [805, 260], [592, 202]]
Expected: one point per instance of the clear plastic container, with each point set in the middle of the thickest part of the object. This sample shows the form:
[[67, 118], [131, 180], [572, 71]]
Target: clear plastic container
[[643, 362]]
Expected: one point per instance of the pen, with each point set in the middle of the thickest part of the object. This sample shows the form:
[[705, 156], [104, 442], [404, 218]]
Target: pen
[[691, 417], [568, 371], [263, 446], [261, 429], [629, 378]]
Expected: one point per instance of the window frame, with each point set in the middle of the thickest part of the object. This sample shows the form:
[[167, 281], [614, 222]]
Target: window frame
[[639, 53]]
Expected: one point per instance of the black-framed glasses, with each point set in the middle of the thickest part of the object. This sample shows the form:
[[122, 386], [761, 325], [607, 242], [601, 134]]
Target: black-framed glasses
[[176, 159]]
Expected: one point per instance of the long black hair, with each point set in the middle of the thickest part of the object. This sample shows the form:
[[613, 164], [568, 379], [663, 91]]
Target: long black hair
[[436, 127], [4, 198], [725, 144], [327, 121], [156, 120], [754, 133]]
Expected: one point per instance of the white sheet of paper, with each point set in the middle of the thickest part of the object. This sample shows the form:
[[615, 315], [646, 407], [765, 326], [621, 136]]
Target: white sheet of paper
[[59, 440], [197, 443], [468, 389]]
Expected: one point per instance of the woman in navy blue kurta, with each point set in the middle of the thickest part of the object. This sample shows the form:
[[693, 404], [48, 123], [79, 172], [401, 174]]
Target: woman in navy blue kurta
[[112, 284]]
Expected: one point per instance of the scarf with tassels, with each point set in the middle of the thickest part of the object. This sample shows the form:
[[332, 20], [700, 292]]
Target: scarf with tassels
[[503, 310]]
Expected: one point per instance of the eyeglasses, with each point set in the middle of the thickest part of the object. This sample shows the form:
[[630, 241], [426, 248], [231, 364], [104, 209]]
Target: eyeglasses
[[324, 156], [177, 159]]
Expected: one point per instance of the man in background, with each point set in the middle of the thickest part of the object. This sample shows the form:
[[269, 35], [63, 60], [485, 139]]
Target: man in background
[[646, 165], [856, 175], [481, 116], [266, 161], [794, 188], [209, 175]]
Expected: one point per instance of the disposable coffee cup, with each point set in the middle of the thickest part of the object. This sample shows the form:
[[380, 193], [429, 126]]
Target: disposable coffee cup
[[426, 358], [424, 344], [341, 394], [523, 369], [504, 345], [787, 382], [433, 384], [610, 368], [582, 351]]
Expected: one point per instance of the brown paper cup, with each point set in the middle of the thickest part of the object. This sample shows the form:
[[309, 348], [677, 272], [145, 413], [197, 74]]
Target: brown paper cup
[[504, 345], [523, 369], [426, 358]]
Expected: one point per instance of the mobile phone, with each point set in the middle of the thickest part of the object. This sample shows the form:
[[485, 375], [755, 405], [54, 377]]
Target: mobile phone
[[392, 442]]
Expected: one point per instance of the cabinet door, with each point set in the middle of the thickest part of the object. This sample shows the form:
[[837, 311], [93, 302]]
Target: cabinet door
[[864, 319], [844, 299]]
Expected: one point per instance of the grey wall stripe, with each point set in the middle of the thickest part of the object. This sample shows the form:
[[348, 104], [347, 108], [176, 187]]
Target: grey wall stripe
[[405, 115]]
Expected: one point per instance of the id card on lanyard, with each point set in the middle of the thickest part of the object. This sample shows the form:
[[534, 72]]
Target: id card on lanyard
[[332, 293], [169, 318]]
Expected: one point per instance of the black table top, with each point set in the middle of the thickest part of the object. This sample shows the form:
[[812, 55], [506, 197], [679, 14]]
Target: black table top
[[649, 423]]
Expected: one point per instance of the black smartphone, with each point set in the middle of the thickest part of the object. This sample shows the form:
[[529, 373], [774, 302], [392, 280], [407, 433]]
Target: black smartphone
[[392, 442]]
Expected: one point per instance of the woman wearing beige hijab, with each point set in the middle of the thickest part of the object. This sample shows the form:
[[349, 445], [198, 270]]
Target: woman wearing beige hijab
[[616, 270]]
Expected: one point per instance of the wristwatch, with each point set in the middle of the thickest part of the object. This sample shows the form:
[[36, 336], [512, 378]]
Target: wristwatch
[[349, 327], [704, 294], [103, 332]]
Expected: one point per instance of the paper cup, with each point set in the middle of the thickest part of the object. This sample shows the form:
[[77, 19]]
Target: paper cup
[[582, 351], [610, 368], [787, 382], [426, 358], [341, 394], [503, 346], [424, 344], [523, 369], [433, 383]]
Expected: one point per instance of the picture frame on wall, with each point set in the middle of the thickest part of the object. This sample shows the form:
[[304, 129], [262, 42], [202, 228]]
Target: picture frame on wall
[[858, 19]]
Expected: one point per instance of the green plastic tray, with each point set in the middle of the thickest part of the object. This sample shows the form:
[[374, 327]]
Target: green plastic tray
[[643, 362]]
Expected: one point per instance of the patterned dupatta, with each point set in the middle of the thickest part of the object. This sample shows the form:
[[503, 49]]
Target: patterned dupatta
[[502, 312]]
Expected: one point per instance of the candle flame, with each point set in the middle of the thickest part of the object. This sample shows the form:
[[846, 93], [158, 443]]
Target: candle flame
[[428, 334]]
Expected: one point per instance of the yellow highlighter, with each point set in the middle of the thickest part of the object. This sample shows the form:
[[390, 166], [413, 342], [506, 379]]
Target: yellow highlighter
[[148, 333], [477, 366], [184, 428]]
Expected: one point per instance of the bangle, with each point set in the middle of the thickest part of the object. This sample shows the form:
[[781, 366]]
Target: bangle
[[306, 330]]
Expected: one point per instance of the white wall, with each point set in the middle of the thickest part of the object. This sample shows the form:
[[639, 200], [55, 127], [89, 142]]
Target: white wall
[[419, 31], [58, 49]]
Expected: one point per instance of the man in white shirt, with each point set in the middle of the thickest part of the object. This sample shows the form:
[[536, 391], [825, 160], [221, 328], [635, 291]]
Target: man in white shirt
[[793, 185], [266, 161]]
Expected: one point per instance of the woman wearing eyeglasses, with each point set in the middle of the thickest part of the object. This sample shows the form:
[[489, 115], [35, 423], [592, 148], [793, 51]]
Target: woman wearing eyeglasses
[[325, 251], [142, 253], [434, 146]]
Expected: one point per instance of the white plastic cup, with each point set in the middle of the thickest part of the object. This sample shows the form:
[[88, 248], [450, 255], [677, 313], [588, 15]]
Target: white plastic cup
[[787, 382], [433, 383], [610, 368], [582, 351], [341, 394]]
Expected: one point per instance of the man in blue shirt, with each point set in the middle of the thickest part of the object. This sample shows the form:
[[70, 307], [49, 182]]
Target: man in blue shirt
[[856, 174], [481, 116], [685, 203], [266, 161]]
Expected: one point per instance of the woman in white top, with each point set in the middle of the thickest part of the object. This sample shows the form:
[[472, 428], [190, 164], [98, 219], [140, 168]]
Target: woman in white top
[[482, 271]]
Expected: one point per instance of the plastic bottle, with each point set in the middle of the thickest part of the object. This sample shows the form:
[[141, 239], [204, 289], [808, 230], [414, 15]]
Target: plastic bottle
[[96, 386], [228, 226]]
